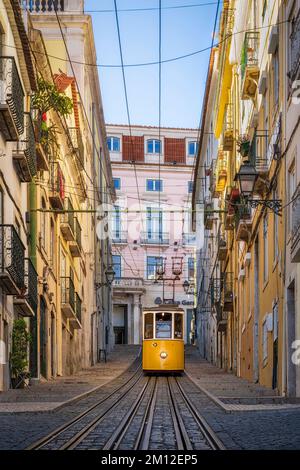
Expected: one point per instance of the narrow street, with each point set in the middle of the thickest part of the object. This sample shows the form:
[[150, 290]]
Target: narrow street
[[134, 411]]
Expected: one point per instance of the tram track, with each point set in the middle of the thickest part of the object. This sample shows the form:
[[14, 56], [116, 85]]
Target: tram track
[[135, 415]]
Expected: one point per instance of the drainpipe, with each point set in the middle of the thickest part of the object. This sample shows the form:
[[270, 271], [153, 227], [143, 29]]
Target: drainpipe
[[32, 245]]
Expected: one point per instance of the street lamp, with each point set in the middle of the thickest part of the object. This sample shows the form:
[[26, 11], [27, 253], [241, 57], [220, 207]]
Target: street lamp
[[189, 287], [247, 177], [110, 275]]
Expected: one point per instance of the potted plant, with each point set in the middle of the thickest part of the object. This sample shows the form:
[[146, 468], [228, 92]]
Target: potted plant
[[244, 145], [19, 353]]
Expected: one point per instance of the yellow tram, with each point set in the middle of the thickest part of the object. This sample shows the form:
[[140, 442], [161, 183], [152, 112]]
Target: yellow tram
[[163, 344]]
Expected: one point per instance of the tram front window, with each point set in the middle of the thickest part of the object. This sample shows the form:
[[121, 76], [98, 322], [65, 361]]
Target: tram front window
[[163, 325], [178, 326], [148, 326]]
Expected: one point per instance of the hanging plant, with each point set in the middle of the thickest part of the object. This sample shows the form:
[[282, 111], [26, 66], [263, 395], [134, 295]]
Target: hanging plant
[[244, 145], [47, 97], [19, 354]]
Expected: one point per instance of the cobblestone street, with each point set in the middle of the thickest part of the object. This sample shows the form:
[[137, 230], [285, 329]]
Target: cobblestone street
[[258, 421]]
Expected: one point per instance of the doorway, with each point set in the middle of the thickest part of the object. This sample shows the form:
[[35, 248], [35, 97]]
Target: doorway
[[120, 321], [291, 336], [43, 338], [256, 313], [190, 326]]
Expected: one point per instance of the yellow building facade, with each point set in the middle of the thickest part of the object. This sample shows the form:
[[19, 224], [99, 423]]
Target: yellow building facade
[[248, 230]]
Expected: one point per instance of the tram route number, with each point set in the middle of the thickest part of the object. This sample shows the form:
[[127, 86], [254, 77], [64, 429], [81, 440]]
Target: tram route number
[[150, 459]]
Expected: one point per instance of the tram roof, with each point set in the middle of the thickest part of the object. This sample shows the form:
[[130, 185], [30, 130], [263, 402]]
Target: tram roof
[[164, 307]]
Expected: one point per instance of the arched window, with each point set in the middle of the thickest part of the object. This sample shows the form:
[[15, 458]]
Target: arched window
[[153, 146], [113, 144]]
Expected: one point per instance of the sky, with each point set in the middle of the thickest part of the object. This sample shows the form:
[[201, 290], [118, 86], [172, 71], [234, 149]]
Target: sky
[[184, 30]]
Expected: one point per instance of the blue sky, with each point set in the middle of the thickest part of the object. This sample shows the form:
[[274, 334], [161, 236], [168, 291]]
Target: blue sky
[[183, 31]]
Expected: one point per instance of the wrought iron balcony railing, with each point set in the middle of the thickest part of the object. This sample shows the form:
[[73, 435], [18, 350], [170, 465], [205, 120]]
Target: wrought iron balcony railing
[[228, 128], [24, 155], [77, 142], [294, 49], [295, 246], [11, 100], [26, 302], [208, 214], [222, 246], [57, 185], [67, 222], [250, 65], [154, 238], [119, 236], [67, 296], [75, 245], [43, 6], [243, 222], [189, 239], [227, 292], [78, 307], [12, 254]]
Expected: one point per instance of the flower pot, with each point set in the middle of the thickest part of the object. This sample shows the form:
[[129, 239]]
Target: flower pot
[[245, 148]]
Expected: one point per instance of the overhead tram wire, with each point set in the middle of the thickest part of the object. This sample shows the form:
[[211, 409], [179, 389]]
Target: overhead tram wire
[[127, 109], [145, 64], [85, 114], [160, 216]]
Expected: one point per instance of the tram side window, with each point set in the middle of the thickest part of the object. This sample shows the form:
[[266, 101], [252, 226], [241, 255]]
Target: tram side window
[[163, 325], [148, 326], [178, 326]]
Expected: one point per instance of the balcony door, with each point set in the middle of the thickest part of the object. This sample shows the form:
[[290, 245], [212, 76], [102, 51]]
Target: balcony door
[[154, 224], [116, 223]]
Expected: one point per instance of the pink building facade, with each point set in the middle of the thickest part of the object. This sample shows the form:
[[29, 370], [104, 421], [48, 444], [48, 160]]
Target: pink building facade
[[150, 223]]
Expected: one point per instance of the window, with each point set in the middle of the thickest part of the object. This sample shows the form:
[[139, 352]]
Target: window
[[193, 149], [153, 146], [113, 144], [116, 222], [117, 183], [154, 185], [265, 240], [148, 326], [275, 229], [191, 268], [152, 263], [52, 244], [43, 225], [154, 223], [265, 339], [163, 325], [275, 321], [291, 191], [116, 259], [178, 326], [276, 77], [190, 186]]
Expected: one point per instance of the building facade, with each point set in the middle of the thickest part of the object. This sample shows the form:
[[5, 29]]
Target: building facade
[[248, 213], [58, 164], [152, 171]]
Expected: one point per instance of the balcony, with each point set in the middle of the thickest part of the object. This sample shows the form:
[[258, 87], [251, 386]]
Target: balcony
[[212, 179], [208, 214], [24, 156], [26, 303], [76, 320], [250, 65], [243, 223], [12, 253], [129, 285], [119, 237], [67, 297], [294, 50], [295, 246], [221, 172], [154, 238], [215, 291], [222, 247], [57, 186], [41, 143], [227, 292], [75, 245], [11, 100], [77, 143], [232, 197], [43, 6], [228, 133], [67, 222], [188, 239]]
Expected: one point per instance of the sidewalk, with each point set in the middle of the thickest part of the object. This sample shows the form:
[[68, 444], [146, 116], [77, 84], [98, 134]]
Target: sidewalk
[[55, 393], [230, 392]]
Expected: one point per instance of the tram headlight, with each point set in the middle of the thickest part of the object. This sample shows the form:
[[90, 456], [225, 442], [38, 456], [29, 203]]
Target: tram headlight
[[163, 355]]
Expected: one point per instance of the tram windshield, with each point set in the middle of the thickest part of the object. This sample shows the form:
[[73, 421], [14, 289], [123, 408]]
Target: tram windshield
[[178, 326], [163, 325], [148, 326]]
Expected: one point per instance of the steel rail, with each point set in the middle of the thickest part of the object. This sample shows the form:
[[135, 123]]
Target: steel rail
[[182, 437], [211, 437], [117, 436], [58, 431]]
